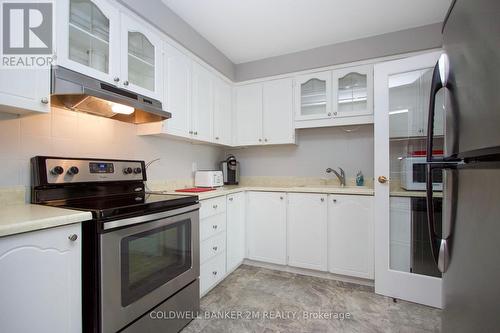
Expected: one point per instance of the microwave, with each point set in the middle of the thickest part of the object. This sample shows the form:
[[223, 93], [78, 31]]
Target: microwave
[[208, 179], [413, 175]]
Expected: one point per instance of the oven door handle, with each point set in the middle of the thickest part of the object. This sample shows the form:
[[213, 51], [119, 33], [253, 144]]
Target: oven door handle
[[149, 217]]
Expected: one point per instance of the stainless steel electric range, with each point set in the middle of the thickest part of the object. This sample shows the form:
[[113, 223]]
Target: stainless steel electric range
[[140, 250]]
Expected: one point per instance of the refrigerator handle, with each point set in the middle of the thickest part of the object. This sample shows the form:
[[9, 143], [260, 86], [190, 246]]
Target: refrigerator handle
[[435, 240], [436, 84]]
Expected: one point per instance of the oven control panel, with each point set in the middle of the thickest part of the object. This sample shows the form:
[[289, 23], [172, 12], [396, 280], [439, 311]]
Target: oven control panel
[[60, 171]]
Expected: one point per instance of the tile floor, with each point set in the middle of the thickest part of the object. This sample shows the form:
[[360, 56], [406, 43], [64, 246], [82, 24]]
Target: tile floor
[[265, 292]]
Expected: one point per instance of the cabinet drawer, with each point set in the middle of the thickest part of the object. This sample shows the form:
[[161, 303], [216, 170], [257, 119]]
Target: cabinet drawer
[[213, 206], [212, 272], [212, 225], [212, 246]]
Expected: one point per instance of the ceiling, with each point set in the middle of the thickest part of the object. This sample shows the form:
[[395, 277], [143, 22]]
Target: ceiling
[[247, 30]]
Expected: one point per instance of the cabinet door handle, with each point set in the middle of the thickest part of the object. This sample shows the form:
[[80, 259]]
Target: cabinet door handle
[[260, 140], [322, 199], [116, 79], [329, 114], [73, 237], [190, 132], [215, 206], [215, 248], [281, 198], [335, 113], [382, 179], [265, 140], [44, 100], [125, 83], [334, 200], [195, 133], [214, 226], [216, 138], [214, 272]]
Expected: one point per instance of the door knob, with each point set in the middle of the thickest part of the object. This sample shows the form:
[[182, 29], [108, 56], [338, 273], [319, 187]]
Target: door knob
[[382, 179]]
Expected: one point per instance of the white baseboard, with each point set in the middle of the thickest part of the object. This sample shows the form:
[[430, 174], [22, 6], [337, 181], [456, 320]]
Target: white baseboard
[[309, 272]]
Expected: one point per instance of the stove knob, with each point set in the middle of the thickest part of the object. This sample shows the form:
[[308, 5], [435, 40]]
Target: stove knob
[[137, 170], [57, 170], [127, 170], [73, 171]]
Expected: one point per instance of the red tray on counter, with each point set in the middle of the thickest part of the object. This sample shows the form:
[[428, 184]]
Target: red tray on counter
[[195, 189]]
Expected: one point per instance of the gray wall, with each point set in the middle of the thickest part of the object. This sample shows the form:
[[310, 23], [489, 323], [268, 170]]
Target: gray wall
[[415, 39], [317, 150], [159, 15]]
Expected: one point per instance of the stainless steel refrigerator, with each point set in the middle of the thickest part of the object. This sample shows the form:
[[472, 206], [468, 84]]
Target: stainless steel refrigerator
[[468, 250]]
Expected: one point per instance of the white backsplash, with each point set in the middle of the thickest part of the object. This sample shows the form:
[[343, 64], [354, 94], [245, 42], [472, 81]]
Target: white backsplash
[[73, 134]]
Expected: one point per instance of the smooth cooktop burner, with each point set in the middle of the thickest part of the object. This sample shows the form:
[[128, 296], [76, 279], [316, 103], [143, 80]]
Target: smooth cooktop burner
[[115, 206]]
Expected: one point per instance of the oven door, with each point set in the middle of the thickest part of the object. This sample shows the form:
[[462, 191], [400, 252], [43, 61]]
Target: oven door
[[145, 260]]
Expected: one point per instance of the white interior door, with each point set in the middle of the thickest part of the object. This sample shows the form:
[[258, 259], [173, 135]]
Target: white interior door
[[393, 80]]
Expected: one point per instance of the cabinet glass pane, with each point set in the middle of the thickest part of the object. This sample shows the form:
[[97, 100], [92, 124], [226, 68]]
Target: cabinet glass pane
[[88, 35], [141, 60], [313, 97], [352, 93], [410, 245]]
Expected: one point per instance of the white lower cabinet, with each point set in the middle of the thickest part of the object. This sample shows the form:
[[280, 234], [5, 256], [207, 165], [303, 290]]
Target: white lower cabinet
[[212, 272], [212, 242], [350, 235], [266, 227], [307, 230], [40, 281], [235, 226]]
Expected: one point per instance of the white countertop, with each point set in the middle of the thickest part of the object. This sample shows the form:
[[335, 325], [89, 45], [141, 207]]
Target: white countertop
[[326, 189], [18, 218]]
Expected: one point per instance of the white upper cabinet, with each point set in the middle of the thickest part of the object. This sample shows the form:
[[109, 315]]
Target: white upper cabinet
[[264, 113], [277, 112], [307, 230], [353, 91], [334, 98], [266, 227], [202, 102], [88, 39], [176, 92], [313, 96], [350, 235], [141, 58], [222, 112], [248, 113], [24, 90]]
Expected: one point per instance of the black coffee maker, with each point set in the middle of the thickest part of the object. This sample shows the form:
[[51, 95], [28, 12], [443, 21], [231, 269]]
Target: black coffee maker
[[231, 170]]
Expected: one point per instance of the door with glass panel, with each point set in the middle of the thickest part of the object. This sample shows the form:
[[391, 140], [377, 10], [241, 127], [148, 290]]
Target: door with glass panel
[[404, 266], [141, 58], [313, 96], [353, 91], [88, 38]]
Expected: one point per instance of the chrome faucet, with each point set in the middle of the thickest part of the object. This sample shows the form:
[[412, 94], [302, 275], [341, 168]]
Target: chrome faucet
[[340, 176]]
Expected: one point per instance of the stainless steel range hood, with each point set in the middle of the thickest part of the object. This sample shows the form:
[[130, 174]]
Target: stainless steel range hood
[[79, 92]]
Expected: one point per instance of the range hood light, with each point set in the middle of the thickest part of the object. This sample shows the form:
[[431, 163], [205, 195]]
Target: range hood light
[[122, 109]]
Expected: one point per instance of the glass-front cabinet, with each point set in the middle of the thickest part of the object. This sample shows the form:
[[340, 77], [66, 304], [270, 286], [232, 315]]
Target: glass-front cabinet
[[88, 38], [313, 94], [141, 58], [94, 38], [353, 91], [338, 97]]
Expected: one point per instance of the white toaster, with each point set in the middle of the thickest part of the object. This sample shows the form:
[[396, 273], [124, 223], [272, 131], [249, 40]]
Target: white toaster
[[208, 179]]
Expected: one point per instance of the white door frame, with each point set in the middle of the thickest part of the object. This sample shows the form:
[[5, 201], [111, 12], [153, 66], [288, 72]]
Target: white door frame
[[407, 286]]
